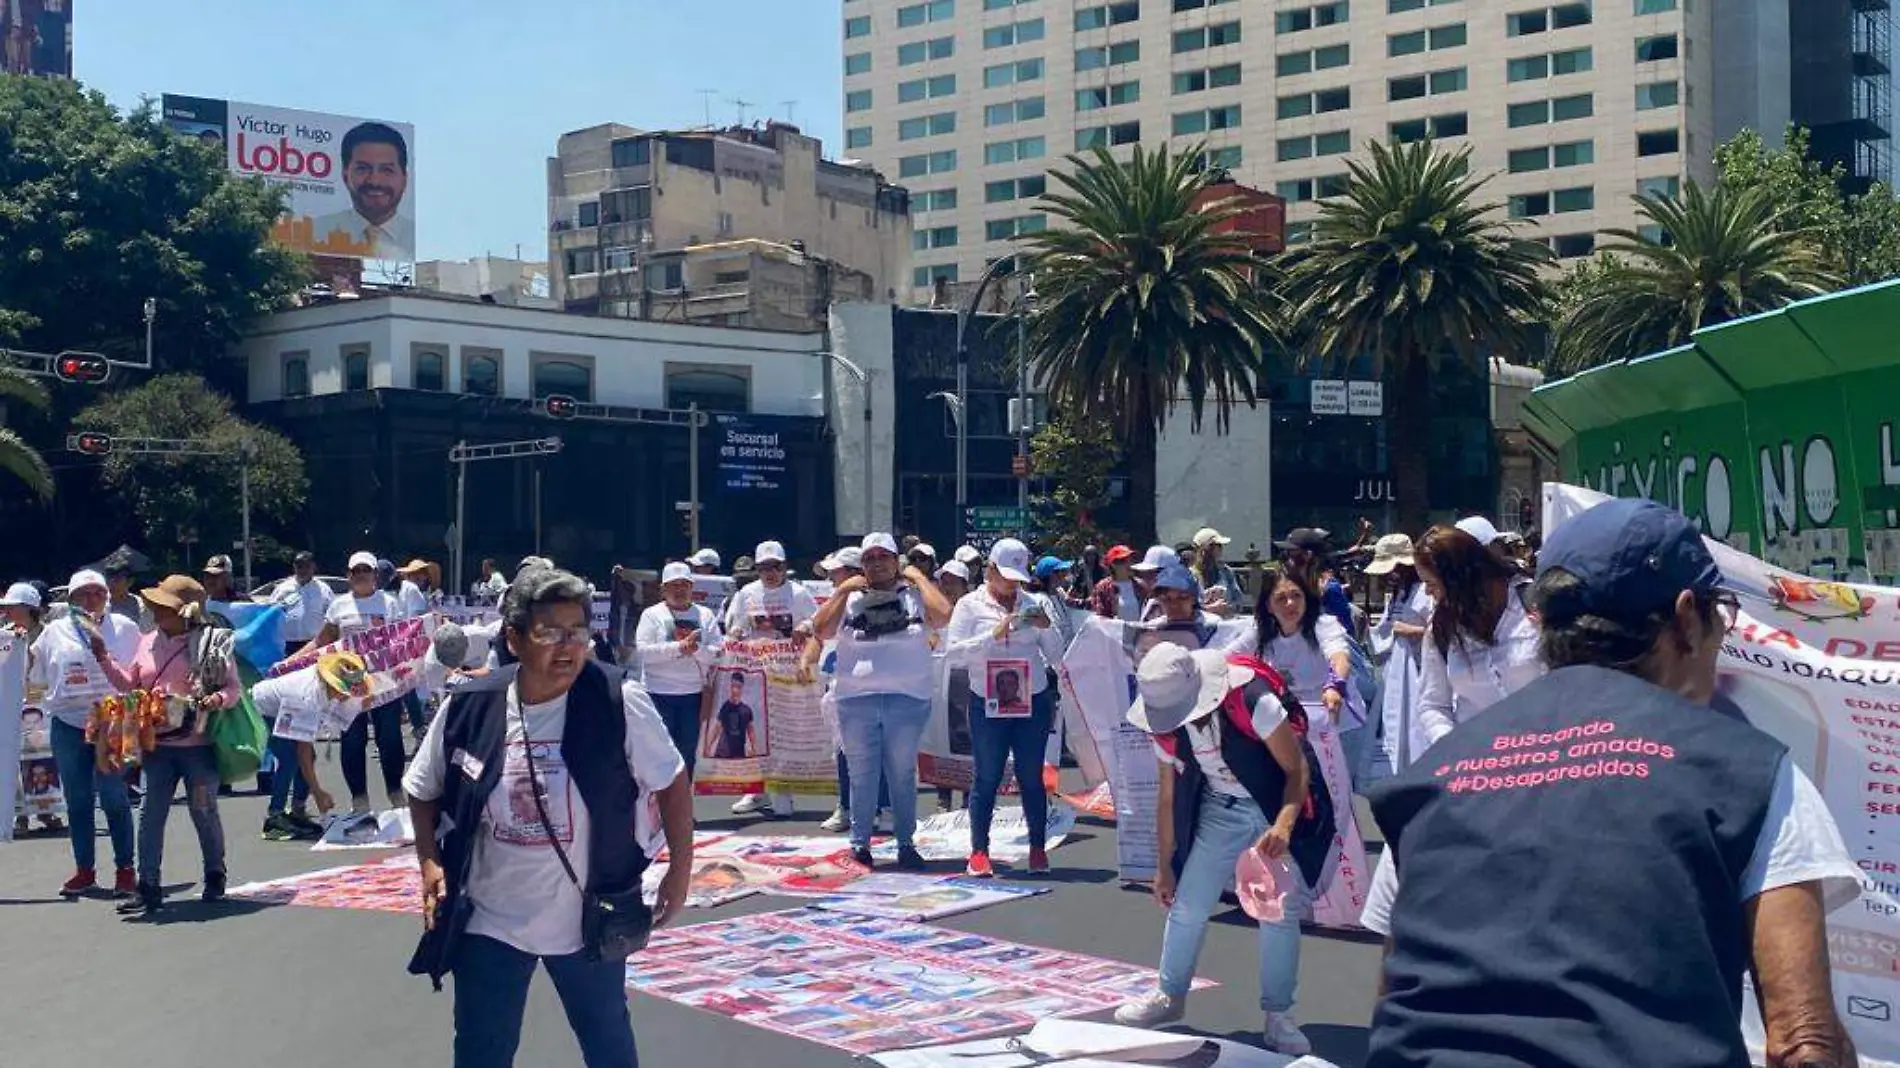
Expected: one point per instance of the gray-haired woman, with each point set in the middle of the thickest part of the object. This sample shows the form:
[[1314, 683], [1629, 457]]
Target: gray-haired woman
[[522, 794]]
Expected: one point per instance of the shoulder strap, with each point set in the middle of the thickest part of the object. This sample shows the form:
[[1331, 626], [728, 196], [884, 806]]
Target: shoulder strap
[[540, 806]]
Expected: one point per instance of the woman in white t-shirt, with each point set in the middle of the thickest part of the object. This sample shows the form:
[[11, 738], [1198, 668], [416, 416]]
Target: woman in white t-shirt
[[677, 641], [363, 607], [882, 621]]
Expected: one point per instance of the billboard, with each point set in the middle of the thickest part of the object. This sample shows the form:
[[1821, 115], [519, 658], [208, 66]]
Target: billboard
[[348, 178], [36, 37]]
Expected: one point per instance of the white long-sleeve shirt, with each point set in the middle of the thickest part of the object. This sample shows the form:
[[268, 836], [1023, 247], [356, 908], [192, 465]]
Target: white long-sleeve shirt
[[971, 640], [1472, 676], [668, 668], [756, 606], [304, 607]]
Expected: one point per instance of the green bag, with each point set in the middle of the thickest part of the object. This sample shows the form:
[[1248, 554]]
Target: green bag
[[238, 736]]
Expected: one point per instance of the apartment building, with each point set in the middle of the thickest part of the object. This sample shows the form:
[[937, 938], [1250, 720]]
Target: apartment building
[[1574, 106], [642, 225]]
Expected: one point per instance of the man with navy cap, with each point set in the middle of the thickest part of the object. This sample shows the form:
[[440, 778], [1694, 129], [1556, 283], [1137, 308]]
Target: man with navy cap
[[1583, 874]]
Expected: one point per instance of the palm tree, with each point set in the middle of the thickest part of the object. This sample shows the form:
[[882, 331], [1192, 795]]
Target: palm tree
[[1710, 257], [1407, 266], [16, 455], [1141, 303]]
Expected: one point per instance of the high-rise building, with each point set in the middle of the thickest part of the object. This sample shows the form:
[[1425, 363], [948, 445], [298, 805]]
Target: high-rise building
[[1575, 106], [36, 37], [658, 225]]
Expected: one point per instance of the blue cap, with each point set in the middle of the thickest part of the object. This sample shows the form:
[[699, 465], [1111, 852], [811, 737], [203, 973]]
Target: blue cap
[[1631, 558], [1049, 565], [1177, 577]]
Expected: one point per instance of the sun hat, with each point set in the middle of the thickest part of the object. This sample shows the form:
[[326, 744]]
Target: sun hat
[[1175, 686], [21, 595], [344, 673], [175, 592], [879, 539], [675, 572], [84, 578], [420, 566], [1157, 557], [1011, 558], [1206, 535], [1049, 565], [957, 568], [364, 560], [850, 556], [768, 552], [1390, 551], [1117, 554], [704, 558], [1478, 527], [1261, 885]]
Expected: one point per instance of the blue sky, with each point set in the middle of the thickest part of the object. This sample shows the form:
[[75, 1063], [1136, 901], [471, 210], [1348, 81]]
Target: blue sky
[[488, 84]]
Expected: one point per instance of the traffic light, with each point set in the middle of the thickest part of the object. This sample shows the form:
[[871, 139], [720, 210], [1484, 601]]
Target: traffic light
[[561, 406], [90, 443], [81, 368]]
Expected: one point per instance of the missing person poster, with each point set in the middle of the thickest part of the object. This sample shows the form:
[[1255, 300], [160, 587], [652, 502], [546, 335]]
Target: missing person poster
[[768, 730], [347, 180], [1817, 665], [393, 653]]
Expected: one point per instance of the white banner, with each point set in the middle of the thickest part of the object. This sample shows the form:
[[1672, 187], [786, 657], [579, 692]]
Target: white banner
[[1817, 665], [13, 648]]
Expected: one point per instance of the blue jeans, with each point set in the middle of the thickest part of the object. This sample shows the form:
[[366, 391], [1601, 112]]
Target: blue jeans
[[680, 713], [1225, 827], [881, 733], [82, 784], [491, 993], [287, 777], [165, 767], [994, 741], [844, 786]]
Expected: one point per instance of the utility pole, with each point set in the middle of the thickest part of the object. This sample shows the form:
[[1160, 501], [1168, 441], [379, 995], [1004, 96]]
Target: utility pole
[[464, 454], [1022, 391], [92, 443], [692, 474]]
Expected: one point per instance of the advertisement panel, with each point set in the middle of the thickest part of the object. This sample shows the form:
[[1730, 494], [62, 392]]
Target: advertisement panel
[[36, 37], [348, 178]]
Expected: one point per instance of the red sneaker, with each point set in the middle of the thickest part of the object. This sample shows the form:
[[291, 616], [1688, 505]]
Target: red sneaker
[[126, 883], [82, 881], [1038, 862], [979, 866]]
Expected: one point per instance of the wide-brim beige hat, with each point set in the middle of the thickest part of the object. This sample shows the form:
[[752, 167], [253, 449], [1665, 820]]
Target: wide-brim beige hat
[[1176, 686], [1393, 550]]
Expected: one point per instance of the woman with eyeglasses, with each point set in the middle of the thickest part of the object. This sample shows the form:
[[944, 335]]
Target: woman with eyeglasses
[[367, 605], [536, 778], [1483, 644]]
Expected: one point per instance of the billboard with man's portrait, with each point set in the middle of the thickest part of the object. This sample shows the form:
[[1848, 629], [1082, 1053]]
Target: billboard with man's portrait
[[348, 179]]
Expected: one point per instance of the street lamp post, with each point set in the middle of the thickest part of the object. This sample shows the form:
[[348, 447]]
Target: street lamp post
[[1023, 307], [996, 270], [955, 404]]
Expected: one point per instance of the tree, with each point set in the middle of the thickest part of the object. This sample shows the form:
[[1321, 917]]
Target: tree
[[194, 498], [100, 211], [1860, 233], [1720, 255], [16, 456], [1141, 304], [1409, 267], [1077, 454]]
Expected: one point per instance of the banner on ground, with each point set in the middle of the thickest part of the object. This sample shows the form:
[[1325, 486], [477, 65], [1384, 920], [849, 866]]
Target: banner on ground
[[727, 869], [393, 885], [923, 897], [393, 652], [1081, 1044], [946, 835], [864, 984], [1817, 665], [769, 730]]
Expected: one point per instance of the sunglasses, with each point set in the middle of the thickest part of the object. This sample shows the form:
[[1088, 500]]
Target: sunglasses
[[543, 635], [1728, 607]]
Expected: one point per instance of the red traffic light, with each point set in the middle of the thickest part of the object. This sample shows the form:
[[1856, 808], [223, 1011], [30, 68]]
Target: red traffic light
[[561, 406], [91, 443], [81, 368]]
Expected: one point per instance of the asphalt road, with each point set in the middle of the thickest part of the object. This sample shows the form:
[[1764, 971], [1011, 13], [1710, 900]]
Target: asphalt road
[[239, 983]]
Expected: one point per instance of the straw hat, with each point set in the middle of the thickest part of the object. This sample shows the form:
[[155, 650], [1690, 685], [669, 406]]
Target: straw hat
[[344, 673], [420, 566], [174, 593]]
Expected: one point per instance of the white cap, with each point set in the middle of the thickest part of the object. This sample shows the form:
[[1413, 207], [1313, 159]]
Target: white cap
[[675, 572], [1208, 534], [955, 567], [1011, 557], [878, 539], [22, 594], [1480, 528], [362, 560], [926, 548], [850, 556], [83, 579], [968, 556], [704, 558], [1156, 558], [768, 552]]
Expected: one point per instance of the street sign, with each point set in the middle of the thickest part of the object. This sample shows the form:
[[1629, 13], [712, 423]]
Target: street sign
[[1329, 397], [1365, 398], [995, 519]]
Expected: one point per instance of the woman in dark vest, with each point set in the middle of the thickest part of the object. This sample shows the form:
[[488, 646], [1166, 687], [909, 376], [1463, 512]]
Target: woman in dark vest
[[523, 794], [1234, 777], [1583, 874]]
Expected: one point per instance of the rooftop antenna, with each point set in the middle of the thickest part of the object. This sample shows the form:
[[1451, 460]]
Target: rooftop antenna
[[740, 106], [791, 112], [706, 95]]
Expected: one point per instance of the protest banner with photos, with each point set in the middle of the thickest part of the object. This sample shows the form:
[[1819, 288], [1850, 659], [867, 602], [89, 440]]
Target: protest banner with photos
[[393, 884], [393, 653], [865, 984], [945, 751], [1816, 664], [923, 897], [1083, 1044], [946, 835], [769, 730]]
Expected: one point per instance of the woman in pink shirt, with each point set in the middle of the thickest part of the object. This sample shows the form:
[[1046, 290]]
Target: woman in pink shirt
[[190, 664]]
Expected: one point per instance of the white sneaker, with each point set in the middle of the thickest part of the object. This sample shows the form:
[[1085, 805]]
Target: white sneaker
[[839, 822], [750, 804], [784, 805], [1151, 1010], [1285, 1036]]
